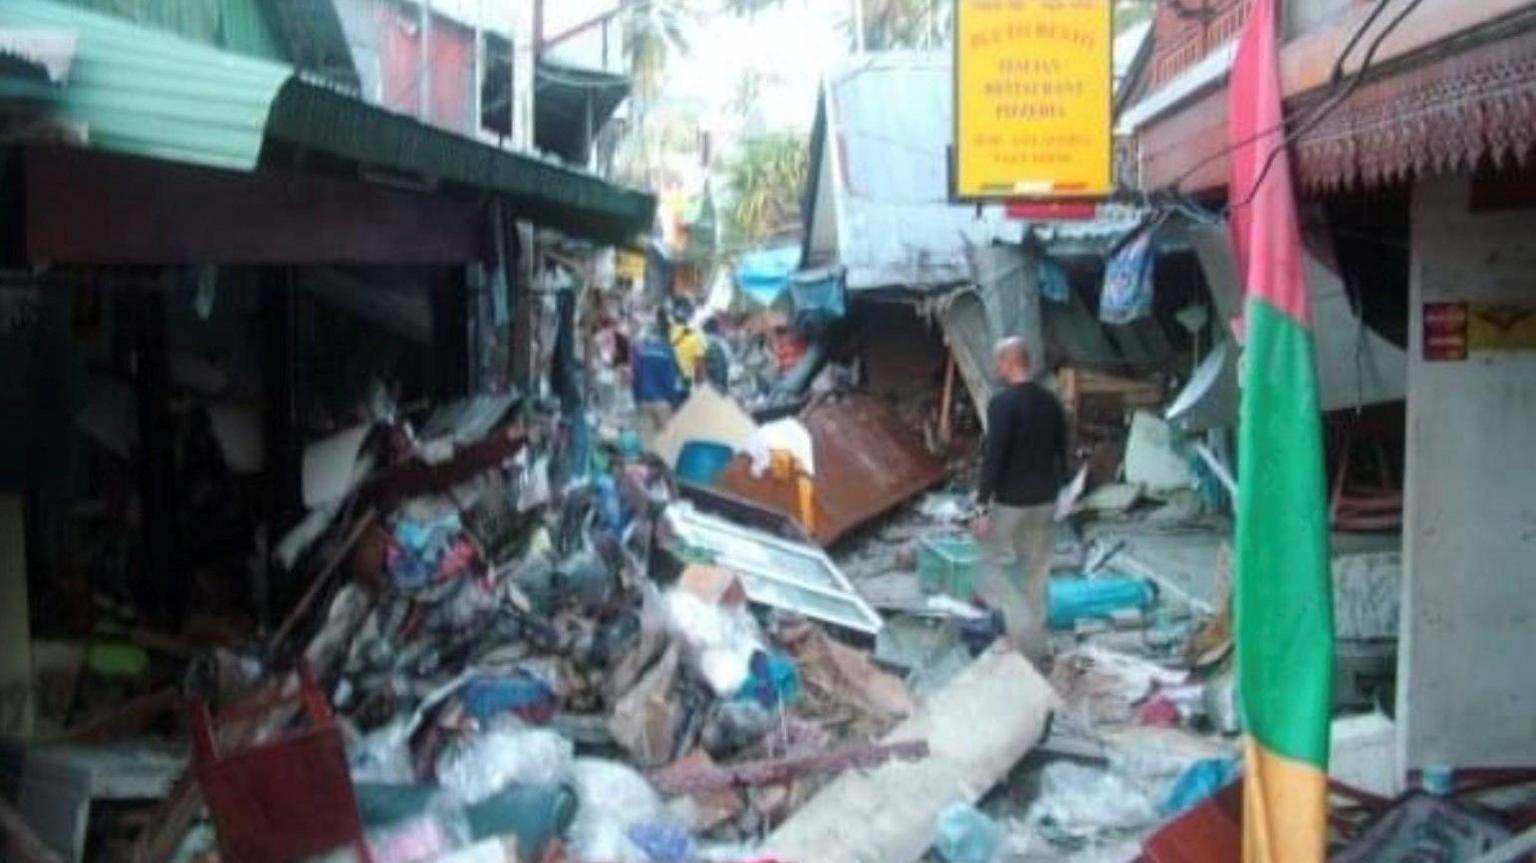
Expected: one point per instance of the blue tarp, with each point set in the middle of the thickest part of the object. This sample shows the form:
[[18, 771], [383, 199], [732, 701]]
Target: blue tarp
[[764, 275]]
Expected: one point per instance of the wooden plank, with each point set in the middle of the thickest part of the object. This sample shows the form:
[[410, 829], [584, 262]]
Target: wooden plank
[[95, 208], [977, 727]]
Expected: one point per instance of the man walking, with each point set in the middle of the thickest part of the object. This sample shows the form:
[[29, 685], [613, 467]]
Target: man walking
[[656, 382], [1021, 473]]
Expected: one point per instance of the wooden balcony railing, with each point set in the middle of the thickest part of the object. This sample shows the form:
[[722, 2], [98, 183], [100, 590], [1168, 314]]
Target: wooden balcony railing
[[1185, 38]]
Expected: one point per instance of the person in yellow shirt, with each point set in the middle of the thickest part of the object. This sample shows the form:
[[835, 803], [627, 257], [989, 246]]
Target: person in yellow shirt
[[689, 347]]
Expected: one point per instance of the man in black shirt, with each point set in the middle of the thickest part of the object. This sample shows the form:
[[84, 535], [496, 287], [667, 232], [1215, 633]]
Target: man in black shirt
[[1021, 473]]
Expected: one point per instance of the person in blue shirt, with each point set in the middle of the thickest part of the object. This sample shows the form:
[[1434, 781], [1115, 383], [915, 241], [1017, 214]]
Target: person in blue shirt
[[655, 380]]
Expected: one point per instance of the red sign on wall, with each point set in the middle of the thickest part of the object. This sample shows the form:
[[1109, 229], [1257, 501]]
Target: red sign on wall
[[1445, 331]]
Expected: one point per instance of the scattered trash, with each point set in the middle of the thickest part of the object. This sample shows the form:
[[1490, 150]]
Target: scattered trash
[[1198, 781], [1424, 827], [976, 728], [945, 507], [483, 765], [663, 842], [963, 834], [1073, 599], [1078, 803], [613, 800]]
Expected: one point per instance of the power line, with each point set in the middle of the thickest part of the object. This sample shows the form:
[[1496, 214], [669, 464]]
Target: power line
[[1333, 79], [1172, 196], [1331, 105]]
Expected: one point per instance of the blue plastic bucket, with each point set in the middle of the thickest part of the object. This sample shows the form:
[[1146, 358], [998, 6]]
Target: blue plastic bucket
[[701, 461]]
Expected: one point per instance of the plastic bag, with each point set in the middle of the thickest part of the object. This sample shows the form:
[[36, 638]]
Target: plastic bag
[[492, 761], [963, 834], [383, 755], [1127, 293], [419, 839], [1198, 781], [736, 725], [613, 798], [721, 641], [663, 841], [1080, 802]]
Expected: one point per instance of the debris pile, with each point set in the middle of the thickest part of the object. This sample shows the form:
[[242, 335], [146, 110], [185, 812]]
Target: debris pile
[[568, 660]]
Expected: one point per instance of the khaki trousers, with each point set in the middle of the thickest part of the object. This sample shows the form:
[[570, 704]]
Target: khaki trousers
[[1018, 570], [650, 419]]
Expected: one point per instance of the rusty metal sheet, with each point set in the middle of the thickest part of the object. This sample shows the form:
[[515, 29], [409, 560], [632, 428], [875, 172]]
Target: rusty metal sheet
[[867, 462]]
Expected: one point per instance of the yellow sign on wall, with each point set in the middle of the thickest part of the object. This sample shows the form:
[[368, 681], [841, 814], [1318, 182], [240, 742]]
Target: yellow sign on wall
[[1032, 99]]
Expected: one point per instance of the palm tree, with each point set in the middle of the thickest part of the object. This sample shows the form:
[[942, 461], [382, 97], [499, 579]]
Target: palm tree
[[748, 7], [895, 24], [654, 31], [764, 180]]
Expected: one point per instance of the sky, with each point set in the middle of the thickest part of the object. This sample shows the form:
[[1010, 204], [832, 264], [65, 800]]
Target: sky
[[794, 43]]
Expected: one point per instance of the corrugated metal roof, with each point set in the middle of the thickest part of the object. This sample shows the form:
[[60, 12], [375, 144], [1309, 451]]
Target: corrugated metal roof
[[887, 122], [140, 91], [314, 114], [143, 92], [561, 102]]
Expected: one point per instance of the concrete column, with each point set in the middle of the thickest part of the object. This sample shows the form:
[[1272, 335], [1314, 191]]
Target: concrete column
[[1464, 684]]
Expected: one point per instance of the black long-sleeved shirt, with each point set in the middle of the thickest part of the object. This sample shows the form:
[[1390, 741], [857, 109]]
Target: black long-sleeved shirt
[[1026, 449]]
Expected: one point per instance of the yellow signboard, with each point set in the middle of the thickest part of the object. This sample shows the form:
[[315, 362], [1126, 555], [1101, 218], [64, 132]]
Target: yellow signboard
[[1032, 99], [630, 265], [1501, 327]]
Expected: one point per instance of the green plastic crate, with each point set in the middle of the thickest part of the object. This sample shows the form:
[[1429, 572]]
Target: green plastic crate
[[949, 564]]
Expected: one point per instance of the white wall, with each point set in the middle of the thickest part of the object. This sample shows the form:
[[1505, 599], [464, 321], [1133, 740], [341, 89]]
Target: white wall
[[1467, 661]]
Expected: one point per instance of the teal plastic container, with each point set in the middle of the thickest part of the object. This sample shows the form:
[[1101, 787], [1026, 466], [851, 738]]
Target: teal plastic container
[[701, 461], [949, 564], [1073, 599]]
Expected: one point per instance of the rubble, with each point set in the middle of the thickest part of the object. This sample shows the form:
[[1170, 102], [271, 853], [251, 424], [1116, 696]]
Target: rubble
[[531, 653], [896, 804]]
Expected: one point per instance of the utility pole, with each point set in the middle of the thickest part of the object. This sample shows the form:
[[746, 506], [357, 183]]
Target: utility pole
[[424, 63], [858, 27]]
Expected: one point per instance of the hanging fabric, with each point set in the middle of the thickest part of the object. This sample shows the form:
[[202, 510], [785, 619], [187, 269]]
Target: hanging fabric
[[1127, 293], [1052, 280]]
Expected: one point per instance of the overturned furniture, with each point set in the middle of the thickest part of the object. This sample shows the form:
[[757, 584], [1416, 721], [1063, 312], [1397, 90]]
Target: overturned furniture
[[867, 462]]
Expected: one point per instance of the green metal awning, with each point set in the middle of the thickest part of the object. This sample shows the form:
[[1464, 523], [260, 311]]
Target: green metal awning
[[136, 90], [310, 113], [143, 92], [570, 104]]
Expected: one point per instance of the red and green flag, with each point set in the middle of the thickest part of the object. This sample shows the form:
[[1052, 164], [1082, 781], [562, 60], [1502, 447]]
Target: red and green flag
[[1283, 602]]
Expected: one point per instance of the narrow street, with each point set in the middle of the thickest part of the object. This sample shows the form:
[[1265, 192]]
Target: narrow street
[[767, 431]]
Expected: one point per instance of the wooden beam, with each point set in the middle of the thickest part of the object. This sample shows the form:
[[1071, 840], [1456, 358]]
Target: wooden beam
[[84, 207]]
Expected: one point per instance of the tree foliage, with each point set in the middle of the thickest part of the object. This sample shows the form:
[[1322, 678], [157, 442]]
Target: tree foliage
[[896, 24], [764, 180], [654, 33]]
